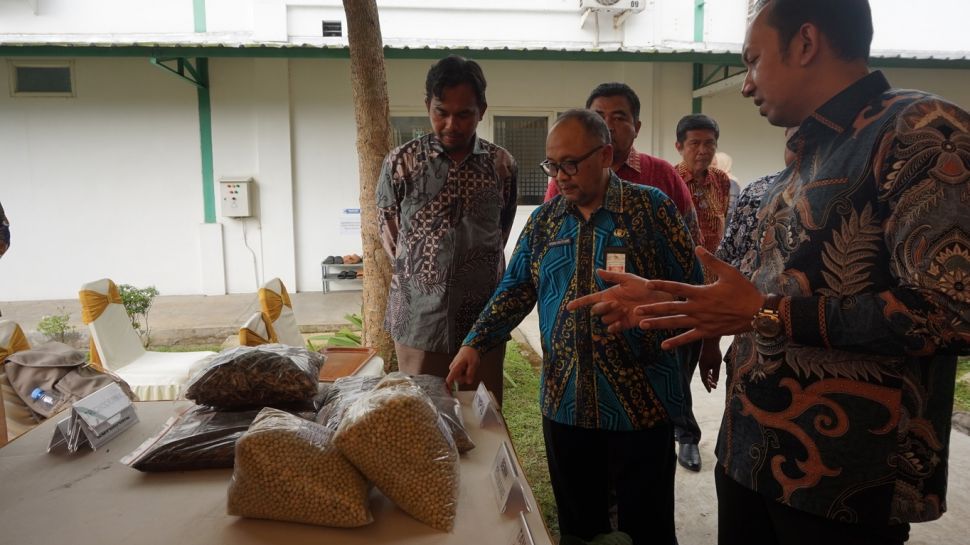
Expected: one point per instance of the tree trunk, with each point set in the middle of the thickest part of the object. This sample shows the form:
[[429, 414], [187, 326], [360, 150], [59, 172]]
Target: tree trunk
[[372, 113]]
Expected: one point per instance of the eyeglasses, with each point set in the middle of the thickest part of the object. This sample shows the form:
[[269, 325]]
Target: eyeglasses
[[570, 167]]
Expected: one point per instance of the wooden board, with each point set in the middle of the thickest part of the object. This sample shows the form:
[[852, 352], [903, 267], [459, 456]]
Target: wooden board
[[343, 361]]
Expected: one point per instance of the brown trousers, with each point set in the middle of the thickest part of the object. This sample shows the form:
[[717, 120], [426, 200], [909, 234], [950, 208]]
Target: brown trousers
[[415, 361]]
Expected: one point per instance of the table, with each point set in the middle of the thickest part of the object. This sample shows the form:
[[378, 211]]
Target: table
[[92, 499]]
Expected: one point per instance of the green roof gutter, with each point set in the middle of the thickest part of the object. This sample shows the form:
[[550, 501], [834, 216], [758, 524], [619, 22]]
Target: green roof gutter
[[308, 52]]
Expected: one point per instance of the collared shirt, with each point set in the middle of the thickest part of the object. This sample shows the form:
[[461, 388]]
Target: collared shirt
[[640, 168], [739, 247], [444, 226], [868, 232], [711, 197], [591, 378]]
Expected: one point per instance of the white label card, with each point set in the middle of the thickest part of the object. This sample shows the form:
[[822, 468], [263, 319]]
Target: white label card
[[485, 407], [507, 483], [95, 420], [522, 534]]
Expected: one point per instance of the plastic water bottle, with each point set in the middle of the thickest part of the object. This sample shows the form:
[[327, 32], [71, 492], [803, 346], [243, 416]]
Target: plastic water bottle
[[47, 400]]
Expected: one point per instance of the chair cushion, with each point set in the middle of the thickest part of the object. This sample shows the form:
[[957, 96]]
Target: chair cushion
[[158, 376]]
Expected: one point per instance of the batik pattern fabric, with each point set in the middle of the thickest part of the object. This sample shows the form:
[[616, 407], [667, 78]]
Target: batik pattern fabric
[[590, 377], [867, 233], [4, 232], [644, 169], [711, 196], [444, 226], [738, 247]]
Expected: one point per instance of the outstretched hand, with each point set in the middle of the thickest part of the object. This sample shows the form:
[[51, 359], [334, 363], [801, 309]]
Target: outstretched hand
[[616, 305], [725, 307]]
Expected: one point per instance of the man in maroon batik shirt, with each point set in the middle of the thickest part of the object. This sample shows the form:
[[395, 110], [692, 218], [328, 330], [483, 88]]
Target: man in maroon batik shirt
[[619, 106]]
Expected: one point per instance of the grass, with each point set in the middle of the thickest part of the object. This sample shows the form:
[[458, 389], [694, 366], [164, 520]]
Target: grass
[[521, 410], [961, 395]]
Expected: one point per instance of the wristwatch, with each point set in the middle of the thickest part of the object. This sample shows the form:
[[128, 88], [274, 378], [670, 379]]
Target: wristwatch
[[769, 332]]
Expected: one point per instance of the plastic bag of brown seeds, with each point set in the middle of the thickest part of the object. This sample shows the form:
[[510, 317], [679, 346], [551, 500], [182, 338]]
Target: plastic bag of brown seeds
[[200, 437], [395, 437], [288, 469], [257, 376]]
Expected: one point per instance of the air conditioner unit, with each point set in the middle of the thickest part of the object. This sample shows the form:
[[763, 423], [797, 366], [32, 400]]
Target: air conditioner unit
[[613, 5]]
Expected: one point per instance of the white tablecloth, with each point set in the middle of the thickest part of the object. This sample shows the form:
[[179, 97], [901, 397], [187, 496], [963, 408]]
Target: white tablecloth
[[90, 498]]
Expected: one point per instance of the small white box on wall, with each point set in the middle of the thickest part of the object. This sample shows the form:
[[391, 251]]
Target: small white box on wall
[[236, 196]]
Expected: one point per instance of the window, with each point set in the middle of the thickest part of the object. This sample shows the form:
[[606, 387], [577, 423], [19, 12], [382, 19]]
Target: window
[[525, 138], [332, 28], [42, 78], [407, 128]]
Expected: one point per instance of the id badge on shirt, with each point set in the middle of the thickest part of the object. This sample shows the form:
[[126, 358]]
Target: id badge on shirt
[[616, 259]]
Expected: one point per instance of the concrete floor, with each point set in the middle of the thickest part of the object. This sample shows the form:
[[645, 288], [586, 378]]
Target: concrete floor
[[202, 319]]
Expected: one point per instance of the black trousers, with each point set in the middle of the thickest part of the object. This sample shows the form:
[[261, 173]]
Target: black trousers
[[686, 429], [745, 517], [581, 462]]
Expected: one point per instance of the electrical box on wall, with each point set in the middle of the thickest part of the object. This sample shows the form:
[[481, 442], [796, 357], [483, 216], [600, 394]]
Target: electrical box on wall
[[236, 194]]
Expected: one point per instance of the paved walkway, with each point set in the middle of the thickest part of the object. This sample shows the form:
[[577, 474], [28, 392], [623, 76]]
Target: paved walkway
[[201, 319]]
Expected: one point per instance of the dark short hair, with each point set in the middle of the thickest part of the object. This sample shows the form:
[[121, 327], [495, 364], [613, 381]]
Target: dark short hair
[[451, 71], [592, 123], [696, 122], [847, 24], [616, 89]]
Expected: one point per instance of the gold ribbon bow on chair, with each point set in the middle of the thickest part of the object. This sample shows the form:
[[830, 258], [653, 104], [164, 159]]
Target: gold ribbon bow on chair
[[18, 342], [272, 303], [248, 337], [93, 304]]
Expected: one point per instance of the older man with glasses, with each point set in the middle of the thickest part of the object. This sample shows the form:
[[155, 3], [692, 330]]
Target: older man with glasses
[[607, 400]]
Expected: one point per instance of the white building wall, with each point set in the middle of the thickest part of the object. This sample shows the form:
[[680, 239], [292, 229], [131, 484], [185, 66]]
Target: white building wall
[[234, 154], [108, 183], [757, 148], [95, 16], [103, 184]]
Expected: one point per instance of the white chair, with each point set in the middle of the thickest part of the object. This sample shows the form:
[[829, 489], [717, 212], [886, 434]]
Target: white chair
[[256, 331], [18, 418], [117, 348], [275, 303]]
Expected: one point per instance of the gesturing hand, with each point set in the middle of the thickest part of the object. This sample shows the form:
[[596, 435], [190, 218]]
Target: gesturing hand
[[616, 305], [725, 307]]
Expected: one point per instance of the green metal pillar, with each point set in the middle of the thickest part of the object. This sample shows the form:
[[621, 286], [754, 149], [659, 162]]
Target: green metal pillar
[[697, 104], [205, 119], [205, 140]]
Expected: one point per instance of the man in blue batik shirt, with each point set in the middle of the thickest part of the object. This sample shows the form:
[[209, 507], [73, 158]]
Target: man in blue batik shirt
[[607, 400]]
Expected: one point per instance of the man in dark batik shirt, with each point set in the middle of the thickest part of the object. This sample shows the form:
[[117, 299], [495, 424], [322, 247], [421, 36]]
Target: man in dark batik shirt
[[841, 376], [446, 202]]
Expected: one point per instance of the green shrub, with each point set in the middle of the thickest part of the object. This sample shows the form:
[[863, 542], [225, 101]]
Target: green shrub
[[57, 327], [137, 302]]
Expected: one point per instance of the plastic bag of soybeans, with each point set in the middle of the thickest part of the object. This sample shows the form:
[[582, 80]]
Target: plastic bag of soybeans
[[395, 437], [346, 390], [288, 469]]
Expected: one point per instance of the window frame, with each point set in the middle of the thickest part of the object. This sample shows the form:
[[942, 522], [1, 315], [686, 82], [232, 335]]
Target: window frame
[[13, 65], [487, 127]]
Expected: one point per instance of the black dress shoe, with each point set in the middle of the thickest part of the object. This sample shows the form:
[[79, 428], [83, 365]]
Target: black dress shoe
[[329, 260], [689, 456]]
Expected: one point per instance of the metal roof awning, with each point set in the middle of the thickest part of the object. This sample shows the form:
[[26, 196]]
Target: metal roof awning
[[243, 44]]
